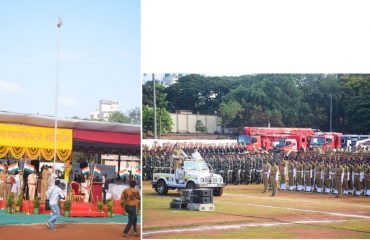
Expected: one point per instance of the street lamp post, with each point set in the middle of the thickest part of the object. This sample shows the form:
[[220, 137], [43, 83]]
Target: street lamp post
[[59, 24], [154, 108], [331, 111]]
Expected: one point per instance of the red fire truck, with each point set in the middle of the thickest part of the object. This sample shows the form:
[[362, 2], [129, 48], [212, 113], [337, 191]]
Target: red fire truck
[[326, 140], [260, 137]]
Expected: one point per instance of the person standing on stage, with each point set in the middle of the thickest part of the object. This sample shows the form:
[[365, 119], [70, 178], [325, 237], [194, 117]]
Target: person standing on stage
[[32, 182], [45, 174], [131, 197]]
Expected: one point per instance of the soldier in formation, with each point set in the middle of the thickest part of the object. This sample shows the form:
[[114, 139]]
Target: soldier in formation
[[338, 173]]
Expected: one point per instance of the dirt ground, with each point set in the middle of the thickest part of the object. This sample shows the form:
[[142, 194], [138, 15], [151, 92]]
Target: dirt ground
[[245, 212], [81, 231]]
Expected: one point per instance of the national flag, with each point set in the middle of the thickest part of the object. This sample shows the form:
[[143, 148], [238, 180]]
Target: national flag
[[124, 172], [28, 168], [97, 170], [137, 173], [2, 168], [13, 167], [85, 170]]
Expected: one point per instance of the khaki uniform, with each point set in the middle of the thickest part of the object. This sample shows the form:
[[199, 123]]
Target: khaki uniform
[[283, 179], [2, 184], [265, 176], [327, 178], [319, 178], [299, 176], [367, 180], [44, 184], [291, 175], [307, 177], [357, 182], [339, 175], [32, 183], [274, 179], [346, 179]]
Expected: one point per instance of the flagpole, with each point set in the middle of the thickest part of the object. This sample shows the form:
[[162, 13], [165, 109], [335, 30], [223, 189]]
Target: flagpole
[[59, 24]]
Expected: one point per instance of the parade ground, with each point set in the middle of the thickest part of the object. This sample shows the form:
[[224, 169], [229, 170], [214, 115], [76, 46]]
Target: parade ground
[[243, 211], [21, 226]]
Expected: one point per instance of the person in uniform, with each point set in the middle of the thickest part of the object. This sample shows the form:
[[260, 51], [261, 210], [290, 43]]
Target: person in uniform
[[45, 174], [319, 177], [299, 176], [367, 179], [3, 183], [266, 173], [282, 170], [327, 177], [346, 179], [291, 175], [67, 174], [339, 176], [32, 182], [357, 181], [274, 178], [307, 176]]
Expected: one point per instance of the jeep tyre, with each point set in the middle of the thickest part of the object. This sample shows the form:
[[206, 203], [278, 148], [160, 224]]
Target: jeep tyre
[[162, 188]]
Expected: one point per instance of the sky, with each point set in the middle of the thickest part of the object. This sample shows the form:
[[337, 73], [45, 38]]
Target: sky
[[99, 55]]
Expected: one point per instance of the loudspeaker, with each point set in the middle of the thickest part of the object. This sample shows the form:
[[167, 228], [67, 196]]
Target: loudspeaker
[[178, 204], [201, 200], [203, 192]]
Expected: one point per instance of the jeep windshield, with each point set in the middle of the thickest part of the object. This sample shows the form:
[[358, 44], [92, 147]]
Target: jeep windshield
[[317, 141], [196, 165]]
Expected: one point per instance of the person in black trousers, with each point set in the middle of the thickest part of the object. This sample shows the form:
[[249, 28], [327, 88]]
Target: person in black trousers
[[131, 198]]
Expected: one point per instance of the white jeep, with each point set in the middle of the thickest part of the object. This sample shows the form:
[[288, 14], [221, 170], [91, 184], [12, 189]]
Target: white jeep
[[196, 174]]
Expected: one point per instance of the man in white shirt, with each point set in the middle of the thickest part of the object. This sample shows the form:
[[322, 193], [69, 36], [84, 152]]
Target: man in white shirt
[[53, 194], [196, 155], [180, 173]]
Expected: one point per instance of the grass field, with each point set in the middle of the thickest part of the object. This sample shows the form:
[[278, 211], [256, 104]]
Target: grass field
[[245, 212]]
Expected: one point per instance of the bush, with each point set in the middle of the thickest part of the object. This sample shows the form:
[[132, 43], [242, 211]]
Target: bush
[[100, 206], [19, 200], [67, 205], [10, 201], [110, 205], [36, 203]]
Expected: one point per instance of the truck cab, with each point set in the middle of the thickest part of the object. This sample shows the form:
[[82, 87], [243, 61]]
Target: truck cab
[[287, 145], [194, 174]]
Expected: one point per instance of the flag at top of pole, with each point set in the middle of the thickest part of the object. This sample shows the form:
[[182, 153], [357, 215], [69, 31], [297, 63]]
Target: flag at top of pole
[[59, 22]]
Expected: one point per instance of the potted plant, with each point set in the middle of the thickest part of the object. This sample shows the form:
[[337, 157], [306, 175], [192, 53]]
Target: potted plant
[[19, 204], [9, 204], [110, 208], [36, 206], [100, 206], [67, 207]]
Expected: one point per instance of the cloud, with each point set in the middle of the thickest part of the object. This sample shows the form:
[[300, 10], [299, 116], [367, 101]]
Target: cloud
[[9, 87], [68, 102]]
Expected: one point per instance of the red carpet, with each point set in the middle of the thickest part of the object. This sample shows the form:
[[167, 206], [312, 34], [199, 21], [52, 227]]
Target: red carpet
[[78, 209]]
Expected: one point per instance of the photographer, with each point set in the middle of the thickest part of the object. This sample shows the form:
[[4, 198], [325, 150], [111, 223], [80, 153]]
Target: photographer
[[53, 194]]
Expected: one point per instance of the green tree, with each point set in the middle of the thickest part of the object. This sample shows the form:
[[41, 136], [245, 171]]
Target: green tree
[[229, 111], [199, 127], [135, 116], [119, 117], [164, 121]]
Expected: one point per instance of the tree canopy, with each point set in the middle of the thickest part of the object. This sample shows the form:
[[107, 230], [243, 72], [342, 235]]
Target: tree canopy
[[289, 100]]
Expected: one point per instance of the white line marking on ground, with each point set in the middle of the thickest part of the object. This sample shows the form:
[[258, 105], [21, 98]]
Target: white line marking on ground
[[303, 210], [60, 223], [294, 200], [236, 226]]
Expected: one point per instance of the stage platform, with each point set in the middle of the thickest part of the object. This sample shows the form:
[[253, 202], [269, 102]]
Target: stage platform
[[78, 209]]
